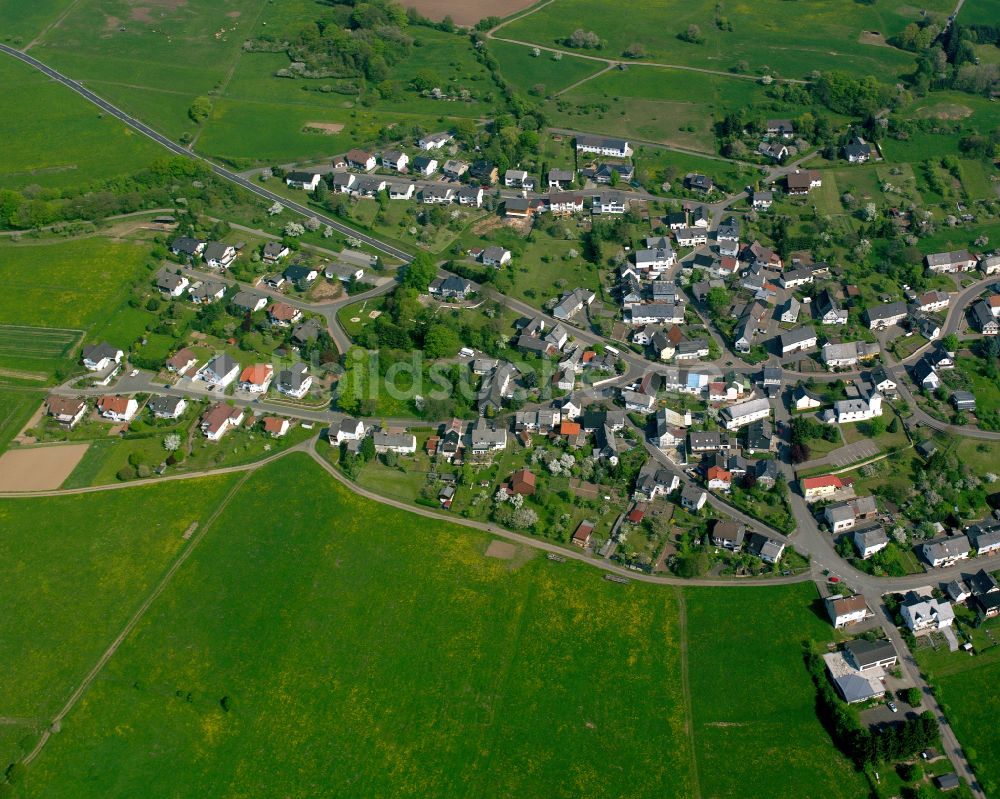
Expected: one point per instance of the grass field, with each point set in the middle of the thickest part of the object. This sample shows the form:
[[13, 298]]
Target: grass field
[[753, 707], [524, 70], [435, 671], [319, 628], [16, 407], [66, 287], [83, 579], [22, 21], [792, 39], [53, 138]]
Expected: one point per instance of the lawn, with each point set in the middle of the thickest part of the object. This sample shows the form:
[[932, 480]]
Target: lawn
[[76, 568], [754, 706], [789, 39], [53, 138], [339, 630]]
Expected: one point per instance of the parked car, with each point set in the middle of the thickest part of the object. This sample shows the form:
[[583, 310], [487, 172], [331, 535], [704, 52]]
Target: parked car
[[892, 707]]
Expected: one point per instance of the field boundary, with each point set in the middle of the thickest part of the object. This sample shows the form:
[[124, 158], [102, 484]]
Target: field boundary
[[686, 688], [87, 681]]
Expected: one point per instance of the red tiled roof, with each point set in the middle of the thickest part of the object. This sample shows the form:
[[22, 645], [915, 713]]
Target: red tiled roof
[[282, 311], [823, 481], [116, 404], [569, 429], [258, 374]]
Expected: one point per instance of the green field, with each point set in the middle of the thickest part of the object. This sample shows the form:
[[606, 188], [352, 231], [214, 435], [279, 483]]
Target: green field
[[315, 629], [54, 138], [792, 39], [65, 287], [755, 726], [524, 70], [22, 21], [16, 407], [76, 568]]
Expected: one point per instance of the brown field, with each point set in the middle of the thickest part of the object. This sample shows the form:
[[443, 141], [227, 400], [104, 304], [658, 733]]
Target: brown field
[[467, 12], [39, 468], [327, 128], [503, 550]]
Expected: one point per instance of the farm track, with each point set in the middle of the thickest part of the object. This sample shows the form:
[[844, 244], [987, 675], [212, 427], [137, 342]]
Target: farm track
[[686, 689], [92, 675]]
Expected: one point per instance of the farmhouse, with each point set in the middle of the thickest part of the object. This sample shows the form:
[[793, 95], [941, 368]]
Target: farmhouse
[[814, 488], [843, 516], [932, 301]]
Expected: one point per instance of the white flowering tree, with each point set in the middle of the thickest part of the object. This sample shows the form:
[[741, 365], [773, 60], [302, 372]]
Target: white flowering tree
[[275, 209]]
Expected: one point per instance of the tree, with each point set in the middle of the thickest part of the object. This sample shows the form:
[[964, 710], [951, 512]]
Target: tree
[[914, 697], [718, 300], [441, 341], [950, 343], [320, 194], [692, 34], [635, 50], [200, 109], [693, 564], [172, 442], [420, 272], [367, 450]]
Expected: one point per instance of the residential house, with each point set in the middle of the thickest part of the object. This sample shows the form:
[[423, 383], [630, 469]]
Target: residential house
[[857, 151], [437, 195], [282, 314], [561, 179], [523, 208], [775, 151], [702, 442], [172, 285], [923, 614], [220, 371], [849, 353], [698, 182], [728, 534], [655, 481], [345, 273], [496, 256], [814, 488], [402, 443], [789, 312], [880, 317], [655, 261], [496, 387], [471, 195], [793, 278], [117, 408], [98, 357], [828, 312], [167, 407], [565, 202], [925, 376], [344, 182], [300, 274], [522, 482], [954, 261], [484, 171], [219, 255], [275, 426], [693, 498], [295, 381], [425, 166], [349, 429], [853, 685], [256, 379], [395, 160], [985, 538], [760, 437], [842, 516], [609, 202], [863, 402], [67, 411], [870, 541], [781, 127], [767, 549], [401, 190], [932, 301], [656, 313], [273, 252], [359, 159], [433, 141], [691, 236], [963, 401], [451, 287], [868, 655], [206, 291], [485, 439], [846, 610], [744, 413], [803, 399], [303, 180], [984, 320], [990, 265], [797, 340], [454, 169], [605, 173], [249, 301], [943, 552], [181, 361], [801, 181], [187, 247], [219, 419], [602, 145]]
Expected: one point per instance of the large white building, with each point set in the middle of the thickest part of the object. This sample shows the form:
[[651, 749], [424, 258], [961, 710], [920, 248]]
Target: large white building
[[743, 413]]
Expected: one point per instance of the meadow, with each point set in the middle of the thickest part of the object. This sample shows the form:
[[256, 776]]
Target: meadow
[[789, 39], [416, 664], [74, 582], [66, 286], [20, 21], [753, 705], [524, 70], [53, 138], [16, 407]]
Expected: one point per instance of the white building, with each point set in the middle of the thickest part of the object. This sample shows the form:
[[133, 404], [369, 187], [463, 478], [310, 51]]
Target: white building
[[743, 413], [925, 613]]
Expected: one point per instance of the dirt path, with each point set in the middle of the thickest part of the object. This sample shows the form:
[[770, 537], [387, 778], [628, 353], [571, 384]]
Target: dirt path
[[686, 688], [53, 25], [132, 622], [580, 82]]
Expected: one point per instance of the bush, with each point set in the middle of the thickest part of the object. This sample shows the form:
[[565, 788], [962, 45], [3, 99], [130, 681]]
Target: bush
[[126, 473]]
